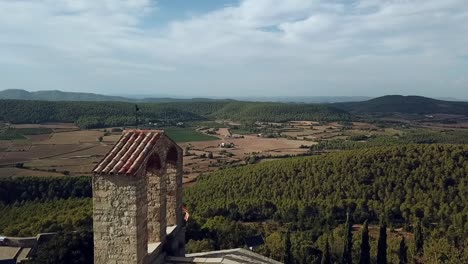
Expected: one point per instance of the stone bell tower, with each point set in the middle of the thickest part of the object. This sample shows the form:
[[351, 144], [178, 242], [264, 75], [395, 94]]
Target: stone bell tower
[[137, 200]]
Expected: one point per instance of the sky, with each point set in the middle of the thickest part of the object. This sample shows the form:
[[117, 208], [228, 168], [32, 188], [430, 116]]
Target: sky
[[227, 48]]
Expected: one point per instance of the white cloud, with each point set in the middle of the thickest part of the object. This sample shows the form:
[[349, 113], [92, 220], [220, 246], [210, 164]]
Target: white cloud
[[306, 46]]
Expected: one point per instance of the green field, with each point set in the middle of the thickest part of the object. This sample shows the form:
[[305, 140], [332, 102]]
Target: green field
[[9, 134], [210, 124], [241, 131], [33, 131], [19, 133], [180, 135]]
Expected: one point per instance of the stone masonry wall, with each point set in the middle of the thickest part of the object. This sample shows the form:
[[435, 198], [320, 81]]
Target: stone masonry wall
[[119, 219]]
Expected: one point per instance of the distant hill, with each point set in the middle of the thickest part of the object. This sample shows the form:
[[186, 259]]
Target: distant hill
[[55, 95], [180, 100], [306, 99], [405, 104], [278, 109]]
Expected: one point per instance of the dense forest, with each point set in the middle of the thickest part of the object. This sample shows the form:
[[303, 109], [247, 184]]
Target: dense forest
[[31, 218], [90, 114], [104, 114], [32, 205], [24, 189], [298, 205], [416, 136], [279, 112], [310, 197]]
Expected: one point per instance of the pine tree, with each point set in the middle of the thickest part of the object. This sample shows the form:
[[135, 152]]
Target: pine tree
[[348, 243], [419, 238], [403, 252], [326, 259], [365, 247], [288, 258], [382, 244]]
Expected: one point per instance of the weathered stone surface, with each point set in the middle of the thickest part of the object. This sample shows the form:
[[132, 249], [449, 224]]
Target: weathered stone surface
[[119, 203]]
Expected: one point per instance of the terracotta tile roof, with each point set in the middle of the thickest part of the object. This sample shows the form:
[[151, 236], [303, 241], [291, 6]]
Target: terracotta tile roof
[[128, 153]]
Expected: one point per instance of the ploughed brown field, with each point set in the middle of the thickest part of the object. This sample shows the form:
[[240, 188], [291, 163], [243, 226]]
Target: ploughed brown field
[[195, 163], [66, 150], [47, 125]]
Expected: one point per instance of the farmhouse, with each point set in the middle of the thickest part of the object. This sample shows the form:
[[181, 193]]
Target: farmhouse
[[226, 145], [137, 205]]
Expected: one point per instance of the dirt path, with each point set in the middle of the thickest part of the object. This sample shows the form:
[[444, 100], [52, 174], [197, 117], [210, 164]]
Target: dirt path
[[225, 132]]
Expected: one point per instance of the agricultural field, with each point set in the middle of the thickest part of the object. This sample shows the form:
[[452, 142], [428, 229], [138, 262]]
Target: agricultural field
[[197, 154], [74, 137], [51, 149], [54, 126], [63, 149]]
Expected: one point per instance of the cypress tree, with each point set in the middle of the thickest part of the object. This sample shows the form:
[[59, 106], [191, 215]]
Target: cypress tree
[[419, 238], [365, 246], [288, 258], [326, 259], [382, 244], [403, 252], [347, 257]]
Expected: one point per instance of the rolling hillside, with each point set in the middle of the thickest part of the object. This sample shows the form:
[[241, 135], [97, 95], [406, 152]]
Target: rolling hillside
[[396, 180], [405, 104]]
